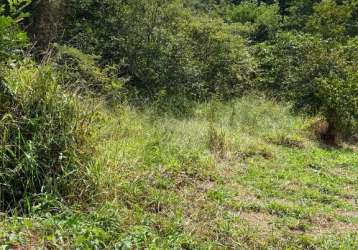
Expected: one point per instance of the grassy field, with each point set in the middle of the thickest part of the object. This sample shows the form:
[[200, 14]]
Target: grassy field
[[241, 175]]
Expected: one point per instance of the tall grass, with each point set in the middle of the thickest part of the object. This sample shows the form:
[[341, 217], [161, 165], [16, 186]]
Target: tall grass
[[239, 174], [42, 133], [138, 143]]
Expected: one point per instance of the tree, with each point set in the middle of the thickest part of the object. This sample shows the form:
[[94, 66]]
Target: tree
[[329, 19], [46, 22], [162, 46], [319, 76], [263, 19]]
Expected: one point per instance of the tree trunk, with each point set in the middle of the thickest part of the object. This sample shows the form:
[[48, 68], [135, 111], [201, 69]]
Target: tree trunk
[[46, 22], [331, 135]]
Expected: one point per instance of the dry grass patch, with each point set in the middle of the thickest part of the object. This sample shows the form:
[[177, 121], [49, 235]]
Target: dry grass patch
[[260, 220], [325, 225]]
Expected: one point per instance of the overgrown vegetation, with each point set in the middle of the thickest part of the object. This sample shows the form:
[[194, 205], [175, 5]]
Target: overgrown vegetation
[[180, 124], [238, 175], [320, 76], [42, 136]]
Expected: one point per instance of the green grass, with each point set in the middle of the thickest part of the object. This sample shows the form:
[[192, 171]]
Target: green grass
[[238, 175], [43, 135]]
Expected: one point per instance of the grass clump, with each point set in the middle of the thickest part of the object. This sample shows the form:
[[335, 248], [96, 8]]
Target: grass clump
[[41, 136]]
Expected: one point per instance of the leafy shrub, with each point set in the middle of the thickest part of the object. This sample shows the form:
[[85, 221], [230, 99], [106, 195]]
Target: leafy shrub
[[165, 47], [213, 7], [298, 12], [264, 19], [42, 135], [11, 37], [319, 75], [225, 67], [330, 19], [81, 72]]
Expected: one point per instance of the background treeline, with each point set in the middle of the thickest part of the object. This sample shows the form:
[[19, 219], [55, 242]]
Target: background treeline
[[54, 54], [300, 50]]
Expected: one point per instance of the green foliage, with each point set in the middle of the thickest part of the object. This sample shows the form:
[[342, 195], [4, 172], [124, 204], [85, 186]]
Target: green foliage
[[81, 73], [151, 48], [193, 167], [165, 47], [214, 7], [317, 77], [330, 19], [297, 12], [41, 136], [11, 37], [16, 9], [264, 19], [220, 56]]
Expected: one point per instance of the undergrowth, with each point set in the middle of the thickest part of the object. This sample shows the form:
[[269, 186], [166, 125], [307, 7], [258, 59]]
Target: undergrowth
[[42, 138], [240, 174]]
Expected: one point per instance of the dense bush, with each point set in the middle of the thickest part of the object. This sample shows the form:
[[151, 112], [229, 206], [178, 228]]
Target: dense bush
[[196, 48], [41, 136], [164, 47], [225, 66], [329, 19], [80, 72], [11, 37], [319, 75], [264, 20]]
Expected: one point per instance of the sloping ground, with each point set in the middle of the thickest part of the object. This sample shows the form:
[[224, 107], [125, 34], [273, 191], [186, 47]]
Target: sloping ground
[[230, 176]]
